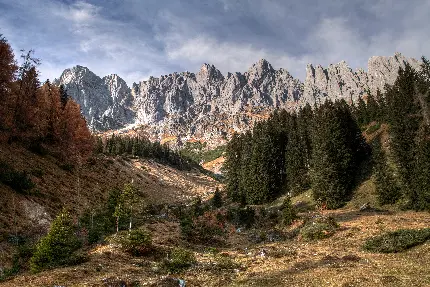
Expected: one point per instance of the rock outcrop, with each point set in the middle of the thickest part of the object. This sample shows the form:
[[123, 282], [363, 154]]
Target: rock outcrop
[[208, 105]]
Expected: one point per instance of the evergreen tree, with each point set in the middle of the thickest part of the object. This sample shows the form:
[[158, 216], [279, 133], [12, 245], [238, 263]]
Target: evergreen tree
[[296, 164], [124, 204], [232, 166], [289, 213], [387, 189], [58, 246], [419, 195], [64, 97], [373, 110], [404, 120], [217, 199], [267, 161], [8, 70], [362, 113], [246, 172], [337, 149]]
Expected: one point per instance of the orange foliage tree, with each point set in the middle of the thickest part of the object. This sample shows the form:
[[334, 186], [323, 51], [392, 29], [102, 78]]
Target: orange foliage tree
[[41, 115], [8, 70]]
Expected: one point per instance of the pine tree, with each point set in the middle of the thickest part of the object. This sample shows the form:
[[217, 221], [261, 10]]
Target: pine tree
[[232, 166], [217, 199], [387, 189], [337, 149], [373, 109], [58, 246], [64, 97], [8, 70], [362, 113], [246, 172], [403, 119], [419, 195], [124, 204], [296, 163]]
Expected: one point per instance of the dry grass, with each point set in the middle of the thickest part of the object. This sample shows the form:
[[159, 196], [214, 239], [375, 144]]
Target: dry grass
[[335, 261], [215, 165], [57, 187]]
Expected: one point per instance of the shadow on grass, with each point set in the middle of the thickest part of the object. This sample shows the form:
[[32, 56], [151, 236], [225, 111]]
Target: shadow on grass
[[355, 214], [286, 276]]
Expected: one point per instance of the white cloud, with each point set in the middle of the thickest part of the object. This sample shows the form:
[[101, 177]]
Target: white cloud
[[229, 57], [64, 35]]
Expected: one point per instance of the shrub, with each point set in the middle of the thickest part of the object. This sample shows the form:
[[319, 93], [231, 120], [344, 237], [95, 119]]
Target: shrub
[[289, 213], [209, 227], [397, 241], [24, 249], [242, 216], [19, 181], [217, 199], [67, 167], [223, 261], [58, 246], [318, 227], [94, 235], [136, 242], [178, 260], [12, 271]]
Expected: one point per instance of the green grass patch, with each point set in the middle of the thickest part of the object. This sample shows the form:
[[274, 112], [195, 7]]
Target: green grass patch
[[318, 227], [397, 241], [225, 262], [373, 128], [136, 242], [198, 151], [178, 260]]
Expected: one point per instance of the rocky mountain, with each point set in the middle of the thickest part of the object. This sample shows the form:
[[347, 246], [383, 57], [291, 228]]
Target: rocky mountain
[[209, 105], [106, 102]]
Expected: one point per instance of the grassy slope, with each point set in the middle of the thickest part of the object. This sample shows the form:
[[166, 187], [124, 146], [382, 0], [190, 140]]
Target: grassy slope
[[56, 187], [335, 261]]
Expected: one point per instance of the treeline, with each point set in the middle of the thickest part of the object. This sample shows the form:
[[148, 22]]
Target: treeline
[[322, 148], [39, 116], [142, 147]]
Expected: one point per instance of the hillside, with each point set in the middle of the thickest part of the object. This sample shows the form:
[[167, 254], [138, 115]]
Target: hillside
[[58, 185], [336, 261]]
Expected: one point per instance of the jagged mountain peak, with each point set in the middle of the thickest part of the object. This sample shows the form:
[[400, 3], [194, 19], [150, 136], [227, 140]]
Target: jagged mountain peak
[[207, 105], [260, 67], [209, 73]]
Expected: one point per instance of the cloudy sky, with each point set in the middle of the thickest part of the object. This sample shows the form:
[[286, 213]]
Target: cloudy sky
[[139, 38]]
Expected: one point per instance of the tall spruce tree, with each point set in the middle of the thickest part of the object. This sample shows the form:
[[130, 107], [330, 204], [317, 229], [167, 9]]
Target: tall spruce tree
[[232, 166], [387, 189], [337, 149], [296, 159], [246, 170], [404, 120]]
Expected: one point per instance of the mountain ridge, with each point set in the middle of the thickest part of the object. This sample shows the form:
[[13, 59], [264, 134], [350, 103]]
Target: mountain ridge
[[209, 106]]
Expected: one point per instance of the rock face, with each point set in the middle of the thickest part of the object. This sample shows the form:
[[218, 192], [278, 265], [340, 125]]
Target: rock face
[[105, 102], [208, 105], [340, 82]]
